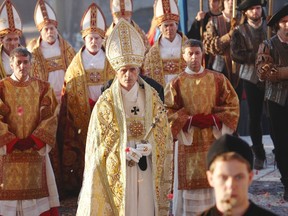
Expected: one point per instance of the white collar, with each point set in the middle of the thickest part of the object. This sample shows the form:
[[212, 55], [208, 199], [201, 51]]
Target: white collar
[[13, 77], [187, 70], [131, 95]]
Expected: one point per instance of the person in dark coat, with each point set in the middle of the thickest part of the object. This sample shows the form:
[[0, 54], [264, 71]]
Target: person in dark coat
[[230, 163]]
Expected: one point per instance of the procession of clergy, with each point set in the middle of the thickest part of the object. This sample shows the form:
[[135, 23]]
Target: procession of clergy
[[93, 124]]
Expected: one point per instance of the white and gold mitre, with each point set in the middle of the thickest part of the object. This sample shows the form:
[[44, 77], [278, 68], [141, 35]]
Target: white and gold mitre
[[93, 21], [44, 14], [125, 46], [166, 10], [120, 8], [10, 21]]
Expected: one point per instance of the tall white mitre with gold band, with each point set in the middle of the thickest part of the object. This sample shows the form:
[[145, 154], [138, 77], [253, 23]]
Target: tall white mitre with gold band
[[120, 8], [93, 21], [10, 21], [125, 46], [44, 14], [166, 10]]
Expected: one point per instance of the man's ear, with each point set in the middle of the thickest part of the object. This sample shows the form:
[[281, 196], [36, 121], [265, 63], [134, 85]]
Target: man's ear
[[251, 175], [210, 178]]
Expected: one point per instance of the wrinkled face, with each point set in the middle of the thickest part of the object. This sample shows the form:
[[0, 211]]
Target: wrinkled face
[[93, 43], [127, 76], [21, 66], [283, 26], [49, 33], [10, 41], [169, 30], [193, 58], [254, 13], [230, 180]]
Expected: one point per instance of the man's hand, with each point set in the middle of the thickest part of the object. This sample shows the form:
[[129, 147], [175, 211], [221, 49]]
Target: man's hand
[[263, 72], [24, 144], [133, 154], [273, 75], [200, 15], [144, 148]]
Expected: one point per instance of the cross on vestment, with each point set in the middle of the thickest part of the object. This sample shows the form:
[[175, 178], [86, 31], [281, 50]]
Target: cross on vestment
[[135, 110]]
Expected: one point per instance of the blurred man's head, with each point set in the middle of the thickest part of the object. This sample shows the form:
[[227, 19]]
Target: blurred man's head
[[230, 162]]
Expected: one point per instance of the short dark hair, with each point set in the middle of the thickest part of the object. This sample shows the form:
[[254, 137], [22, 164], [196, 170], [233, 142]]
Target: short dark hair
[[192, 43], [20, 51]]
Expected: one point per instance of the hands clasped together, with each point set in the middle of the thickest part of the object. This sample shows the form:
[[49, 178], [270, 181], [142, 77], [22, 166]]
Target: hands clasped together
[[202, 121]]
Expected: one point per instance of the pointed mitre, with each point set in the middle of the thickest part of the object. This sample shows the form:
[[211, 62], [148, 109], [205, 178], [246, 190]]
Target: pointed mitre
[[166, 10], [121, 8], [10, 21], [125, 46], [44, 14], [93, 21]]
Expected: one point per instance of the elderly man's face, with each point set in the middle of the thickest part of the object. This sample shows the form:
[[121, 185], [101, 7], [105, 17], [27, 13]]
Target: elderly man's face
[[10, 41], [169, 30], [230, 180], [49, 33], [127, 76], [21, 67], [283, 27], [93, 43]]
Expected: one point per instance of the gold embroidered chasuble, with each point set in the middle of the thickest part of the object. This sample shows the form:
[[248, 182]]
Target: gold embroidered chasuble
[[103, 189], [190, 94], [41, 66], [75, 115], [25, 108], [156, 67]]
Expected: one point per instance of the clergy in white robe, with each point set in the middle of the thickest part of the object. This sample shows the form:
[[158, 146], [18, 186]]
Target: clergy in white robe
[[128, 158]]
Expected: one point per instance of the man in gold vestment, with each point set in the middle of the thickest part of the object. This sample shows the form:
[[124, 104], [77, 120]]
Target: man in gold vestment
[[85, 76], [10, 33], [51, 53], [202, 105], [51, 57], [124, 175], [164, 60], [27, 134]]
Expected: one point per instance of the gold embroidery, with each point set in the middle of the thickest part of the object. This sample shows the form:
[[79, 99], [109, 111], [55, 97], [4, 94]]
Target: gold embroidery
[[55, 63], [95, 76], [136, 128]]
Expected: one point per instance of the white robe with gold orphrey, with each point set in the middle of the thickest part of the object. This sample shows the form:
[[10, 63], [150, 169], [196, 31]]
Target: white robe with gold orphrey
[[110, 186]]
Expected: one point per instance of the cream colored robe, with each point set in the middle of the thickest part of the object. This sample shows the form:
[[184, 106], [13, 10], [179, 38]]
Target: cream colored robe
[[104, 185]]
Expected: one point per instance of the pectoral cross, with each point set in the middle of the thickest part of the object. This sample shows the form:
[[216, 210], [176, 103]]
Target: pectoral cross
[[135, 110]]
